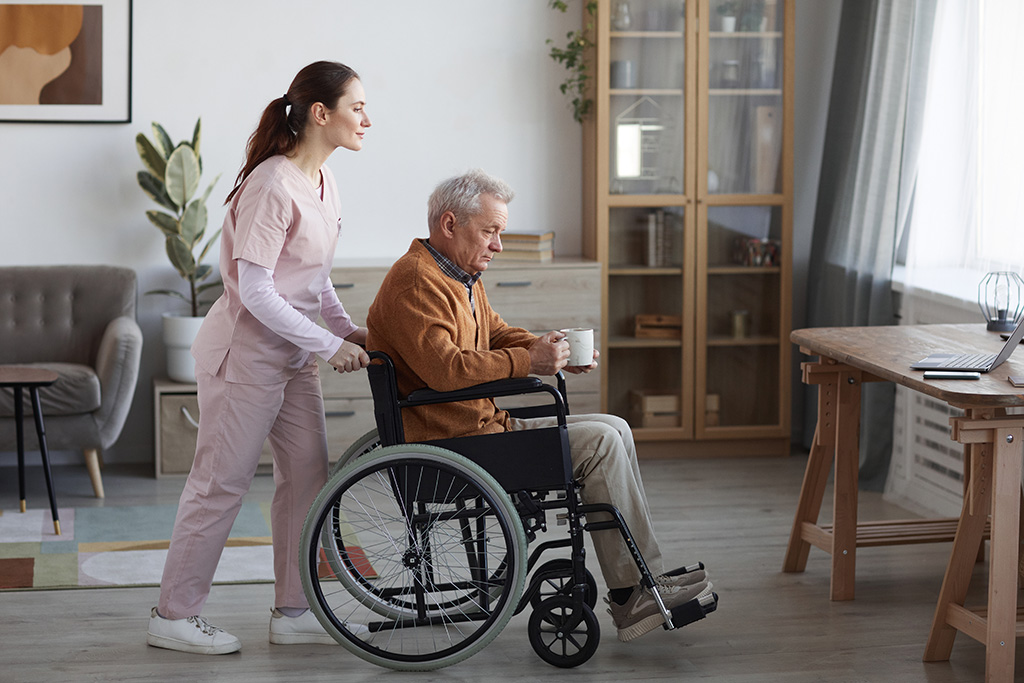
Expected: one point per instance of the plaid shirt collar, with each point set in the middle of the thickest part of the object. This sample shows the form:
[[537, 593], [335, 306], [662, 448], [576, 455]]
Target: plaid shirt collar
[[449, 268]]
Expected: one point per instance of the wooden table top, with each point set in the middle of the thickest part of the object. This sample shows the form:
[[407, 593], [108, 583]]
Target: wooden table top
[[20, 375], [887, 352]]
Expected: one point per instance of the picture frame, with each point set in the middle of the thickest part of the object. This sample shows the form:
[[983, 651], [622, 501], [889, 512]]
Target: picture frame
[[69, 63]]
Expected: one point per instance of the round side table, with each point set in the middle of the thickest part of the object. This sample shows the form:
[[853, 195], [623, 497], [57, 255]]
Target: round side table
[[17, 378]]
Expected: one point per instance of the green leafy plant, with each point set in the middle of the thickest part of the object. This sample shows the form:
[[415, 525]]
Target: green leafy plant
[[573, 58], [728, 8], [171, 179], [753, 14]]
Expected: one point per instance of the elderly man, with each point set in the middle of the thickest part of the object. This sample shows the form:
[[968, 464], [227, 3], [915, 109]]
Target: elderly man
[[432, 317]]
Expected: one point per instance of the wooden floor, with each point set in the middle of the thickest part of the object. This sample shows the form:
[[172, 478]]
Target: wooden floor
[[733, 514]]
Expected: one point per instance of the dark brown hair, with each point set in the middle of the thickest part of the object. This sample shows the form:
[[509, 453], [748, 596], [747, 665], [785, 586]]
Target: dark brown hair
[[284, 119]]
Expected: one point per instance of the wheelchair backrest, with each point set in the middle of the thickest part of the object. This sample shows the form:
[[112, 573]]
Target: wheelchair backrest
[[384, 388]]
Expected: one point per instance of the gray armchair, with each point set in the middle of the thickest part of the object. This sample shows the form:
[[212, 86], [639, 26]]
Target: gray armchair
[[78, 321]]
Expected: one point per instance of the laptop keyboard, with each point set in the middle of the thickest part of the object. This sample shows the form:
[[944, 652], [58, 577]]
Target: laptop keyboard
[[969, 360]]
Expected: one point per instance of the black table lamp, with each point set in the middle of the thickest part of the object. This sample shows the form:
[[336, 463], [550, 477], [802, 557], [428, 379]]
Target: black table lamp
[[999, 295]]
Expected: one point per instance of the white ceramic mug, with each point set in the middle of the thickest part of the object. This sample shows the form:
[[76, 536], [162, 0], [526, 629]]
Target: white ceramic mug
[[581, 345]]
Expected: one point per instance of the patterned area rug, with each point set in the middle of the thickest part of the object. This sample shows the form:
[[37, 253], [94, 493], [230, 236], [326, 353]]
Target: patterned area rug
[[119, 546]]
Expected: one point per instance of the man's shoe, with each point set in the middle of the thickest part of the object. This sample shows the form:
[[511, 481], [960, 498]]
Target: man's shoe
[[304, 629], [640, 614], [193, 634], [683, 576]]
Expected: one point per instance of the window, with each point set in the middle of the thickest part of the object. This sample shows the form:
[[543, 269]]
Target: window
[[970, 179]]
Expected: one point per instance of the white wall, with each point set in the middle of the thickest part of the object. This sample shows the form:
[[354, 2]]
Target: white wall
[[451, 84]]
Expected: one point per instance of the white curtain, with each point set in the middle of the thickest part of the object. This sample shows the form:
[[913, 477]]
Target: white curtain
[[968, 195]]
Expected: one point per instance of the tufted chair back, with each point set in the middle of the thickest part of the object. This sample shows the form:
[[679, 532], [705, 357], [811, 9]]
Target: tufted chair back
[[59, 313]]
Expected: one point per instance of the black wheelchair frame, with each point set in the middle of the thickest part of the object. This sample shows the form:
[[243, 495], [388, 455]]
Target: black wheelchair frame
[[478, 489]]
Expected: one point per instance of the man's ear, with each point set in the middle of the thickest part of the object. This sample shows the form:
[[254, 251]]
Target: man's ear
[[447, 224]]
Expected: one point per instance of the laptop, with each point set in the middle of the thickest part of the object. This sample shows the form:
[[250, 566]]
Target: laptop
[[972, 362]]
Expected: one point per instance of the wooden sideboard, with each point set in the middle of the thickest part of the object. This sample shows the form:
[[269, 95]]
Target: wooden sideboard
[[537, 296]]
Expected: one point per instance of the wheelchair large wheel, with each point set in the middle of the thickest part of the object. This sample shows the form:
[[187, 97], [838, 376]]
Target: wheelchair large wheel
[[361, 446], [431, 557], [366, 443]]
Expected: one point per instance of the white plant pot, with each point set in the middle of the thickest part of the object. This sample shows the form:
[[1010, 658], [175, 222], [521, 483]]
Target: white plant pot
[[728, 24], [179, 333]]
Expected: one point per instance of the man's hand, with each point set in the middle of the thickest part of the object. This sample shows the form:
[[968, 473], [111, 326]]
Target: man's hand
[[549, 354], [349, 358], [582, 369]]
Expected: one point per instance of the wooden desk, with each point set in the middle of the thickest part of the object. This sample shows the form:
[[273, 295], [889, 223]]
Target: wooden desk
[[18, 378], [847, 358]]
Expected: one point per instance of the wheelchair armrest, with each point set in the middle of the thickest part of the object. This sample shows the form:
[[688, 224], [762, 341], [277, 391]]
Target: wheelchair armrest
[[501, 387]]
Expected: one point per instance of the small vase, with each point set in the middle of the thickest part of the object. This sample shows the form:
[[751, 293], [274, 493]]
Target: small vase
[[728, 24], [621, 20]]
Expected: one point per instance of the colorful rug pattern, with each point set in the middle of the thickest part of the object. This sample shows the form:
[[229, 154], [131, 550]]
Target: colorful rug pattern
[[119, 546]]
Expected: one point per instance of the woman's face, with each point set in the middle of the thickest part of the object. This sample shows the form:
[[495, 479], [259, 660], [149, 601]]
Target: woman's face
[[347, 122]]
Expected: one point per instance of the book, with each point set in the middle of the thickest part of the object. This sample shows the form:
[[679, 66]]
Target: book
[[527, 237], [518, 245], [525, 255]]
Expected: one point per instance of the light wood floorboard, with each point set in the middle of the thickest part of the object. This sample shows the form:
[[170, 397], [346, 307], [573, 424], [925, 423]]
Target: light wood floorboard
[[734, 514]]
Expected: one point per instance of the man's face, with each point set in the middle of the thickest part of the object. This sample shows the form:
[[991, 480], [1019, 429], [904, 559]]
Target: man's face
[[475, 240]]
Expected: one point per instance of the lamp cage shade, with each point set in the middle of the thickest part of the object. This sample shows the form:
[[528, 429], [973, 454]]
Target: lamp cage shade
[[1000, 299]]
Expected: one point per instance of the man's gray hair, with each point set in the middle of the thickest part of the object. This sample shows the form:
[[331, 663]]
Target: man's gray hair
[[461, 195]]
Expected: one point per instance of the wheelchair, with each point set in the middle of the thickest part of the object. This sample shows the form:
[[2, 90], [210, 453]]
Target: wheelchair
[[415, 555]]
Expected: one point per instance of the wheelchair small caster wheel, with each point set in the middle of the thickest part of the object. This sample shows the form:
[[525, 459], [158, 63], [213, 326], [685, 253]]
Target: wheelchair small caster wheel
[[562, 634], [559, 582]]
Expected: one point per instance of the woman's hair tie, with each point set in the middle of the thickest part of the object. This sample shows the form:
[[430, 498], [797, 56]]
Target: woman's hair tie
[[286, 100]]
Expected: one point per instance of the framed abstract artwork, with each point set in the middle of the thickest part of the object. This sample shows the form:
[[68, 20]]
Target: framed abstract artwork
[[66, 63]]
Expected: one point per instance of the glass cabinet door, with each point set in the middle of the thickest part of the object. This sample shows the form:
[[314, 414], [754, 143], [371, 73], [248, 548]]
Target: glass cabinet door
[[647, 215], [743, 311], [742, 316], [744, 97], [647, 97]]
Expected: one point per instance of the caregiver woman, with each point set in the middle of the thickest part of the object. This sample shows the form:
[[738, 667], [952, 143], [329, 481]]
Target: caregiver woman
[[256, 358]]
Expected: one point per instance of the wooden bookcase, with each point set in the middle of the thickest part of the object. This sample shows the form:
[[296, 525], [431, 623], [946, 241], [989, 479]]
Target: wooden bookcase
[[688, 206]]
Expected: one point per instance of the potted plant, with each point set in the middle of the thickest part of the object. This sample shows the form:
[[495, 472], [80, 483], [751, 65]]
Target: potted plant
[[753, 18], [171, 179], [727, 11], [573, 57]]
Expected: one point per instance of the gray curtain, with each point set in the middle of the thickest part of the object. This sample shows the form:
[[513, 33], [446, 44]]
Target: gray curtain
[[865, 192]]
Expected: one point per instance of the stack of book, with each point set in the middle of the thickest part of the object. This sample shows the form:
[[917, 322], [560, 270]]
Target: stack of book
[[527, 246]]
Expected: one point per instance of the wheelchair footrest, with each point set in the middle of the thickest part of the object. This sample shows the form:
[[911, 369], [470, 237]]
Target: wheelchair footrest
[[692, 611]]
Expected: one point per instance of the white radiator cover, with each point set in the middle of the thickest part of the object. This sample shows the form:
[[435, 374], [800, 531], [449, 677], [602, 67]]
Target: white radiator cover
[[926, 472]]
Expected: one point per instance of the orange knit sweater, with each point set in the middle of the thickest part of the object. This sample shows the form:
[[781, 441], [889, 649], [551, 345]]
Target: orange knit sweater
[[422, 319]]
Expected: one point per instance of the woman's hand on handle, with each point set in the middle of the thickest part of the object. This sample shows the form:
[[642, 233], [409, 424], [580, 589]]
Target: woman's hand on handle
[[349, 358]]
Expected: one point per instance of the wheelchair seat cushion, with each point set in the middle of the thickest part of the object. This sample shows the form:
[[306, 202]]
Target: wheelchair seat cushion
[[76, 391]]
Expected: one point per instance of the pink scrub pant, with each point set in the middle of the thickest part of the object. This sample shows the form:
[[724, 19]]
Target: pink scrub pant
[[235, 420], [604, 462]]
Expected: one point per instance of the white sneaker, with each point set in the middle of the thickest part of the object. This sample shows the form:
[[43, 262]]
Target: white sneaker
[[305, 628], [192, 634]]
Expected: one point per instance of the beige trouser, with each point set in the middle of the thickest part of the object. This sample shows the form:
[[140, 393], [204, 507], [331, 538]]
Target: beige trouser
[[604, 462], [235, 420]]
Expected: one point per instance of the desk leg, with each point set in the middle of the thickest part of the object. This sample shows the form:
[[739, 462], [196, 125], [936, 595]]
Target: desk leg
[[836, 440], [1003, 556], [19, 429], [812, 492], [969, 533], [844, 507]]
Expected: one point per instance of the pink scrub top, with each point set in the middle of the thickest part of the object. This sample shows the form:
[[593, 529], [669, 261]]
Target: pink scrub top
[[276, 220]]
